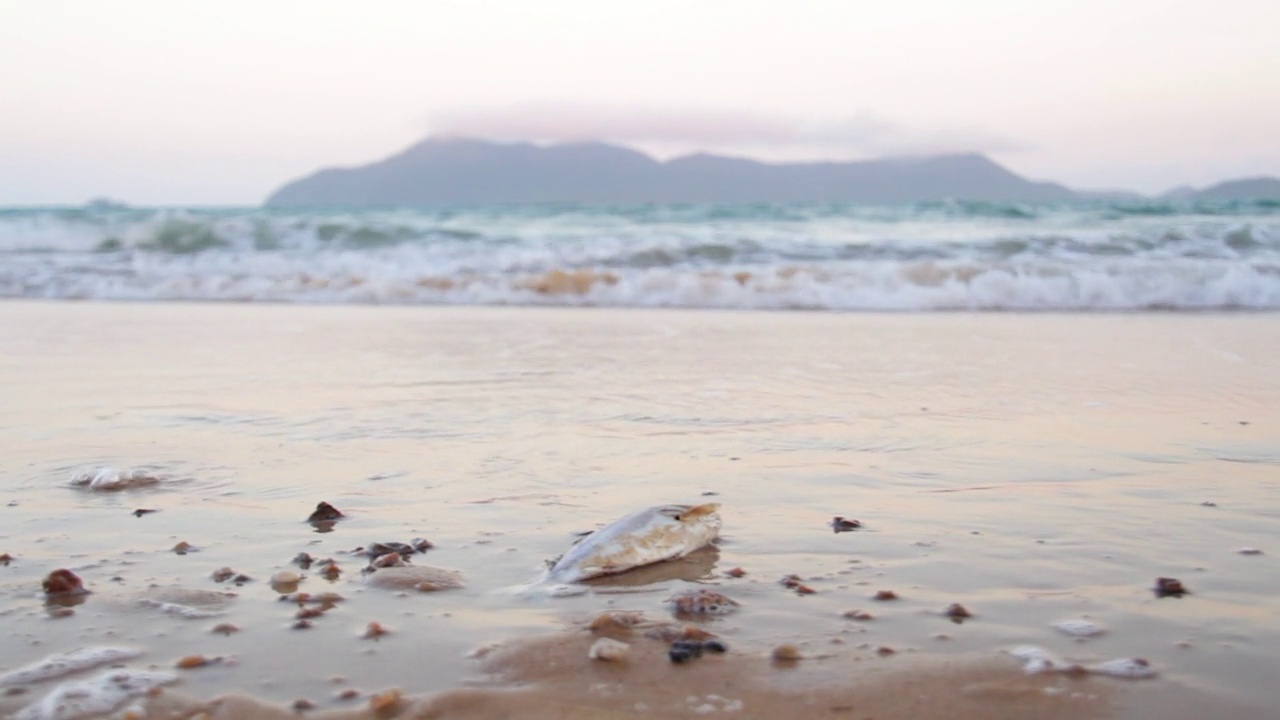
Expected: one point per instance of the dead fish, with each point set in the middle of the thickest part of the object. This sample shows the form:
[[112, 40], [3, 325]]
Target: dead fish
[[642, 538]]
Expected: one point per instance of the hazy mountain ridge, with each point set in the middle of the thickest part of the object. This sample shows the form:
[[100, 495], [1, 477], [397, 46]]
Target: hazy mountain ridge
[[1239, 189], [464, 171]]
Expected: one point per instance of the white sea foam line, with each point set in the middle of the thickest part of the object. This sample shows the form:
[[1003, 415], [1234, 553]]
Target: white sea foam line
[[97, 696], [65, 664]]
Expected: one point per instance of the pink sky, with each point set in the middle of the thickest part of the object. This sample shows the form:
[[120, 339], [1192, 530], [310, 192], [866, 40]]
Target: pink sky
[[179, 102]]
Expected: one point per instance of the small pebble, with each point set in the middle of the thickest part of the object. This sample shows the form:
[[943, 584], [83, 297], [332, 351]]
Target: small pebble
[[883, 595], [330, 571], [303, 560], [1169, 587], [684, 650], [885, 651], [786, 654], [383, 548], [183, 548], [375, 630], [384, 701], [857, 615], [143, 511], [285, 577], [325, 512], [843, 524], [308, 612], [957, 612], [1249, 551], [192, 661], [736, 572], [223, 574], [302, 625], [715, 646], [421, 544], [5, 559], [225, 629], [63, 582], [386, 560], [347, 694], [303, 705]]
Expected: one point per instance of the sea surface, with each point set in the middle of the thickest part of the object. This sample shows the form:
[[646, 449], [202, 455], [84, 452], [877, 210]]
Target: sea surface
[[1102, 255]]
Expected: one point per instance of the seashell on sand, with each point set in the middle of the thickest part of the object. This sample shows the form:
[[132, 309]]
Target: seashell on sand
[[701, 602]]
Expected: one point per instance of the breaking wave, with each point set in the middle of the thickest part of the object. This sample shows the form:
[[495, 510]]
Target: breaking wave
[[928, 256]]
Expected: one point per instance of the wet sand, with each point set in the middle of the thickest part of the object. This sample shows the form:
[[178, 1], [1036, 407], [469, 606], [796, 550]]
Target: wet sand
[[1034, 468]]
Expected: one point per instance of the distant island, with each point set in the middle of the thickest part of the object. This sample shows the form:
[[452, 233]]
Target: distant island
[[457, 171]]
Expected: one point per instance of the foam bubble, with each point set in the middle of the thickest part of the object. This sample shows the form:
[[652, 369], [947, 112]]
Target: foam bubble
[[1038, 660], [108, 479], [178, 610], [97, 696], [1079, 628]]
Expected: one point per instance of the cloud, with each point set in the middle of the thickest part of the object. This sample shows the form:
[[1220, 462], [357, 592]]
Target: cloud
[[677, 131]]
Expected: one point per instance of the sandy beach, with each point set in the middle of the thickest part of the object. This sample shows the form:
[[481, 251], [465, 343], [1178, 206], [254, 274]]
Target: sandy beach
[[1034, 467]]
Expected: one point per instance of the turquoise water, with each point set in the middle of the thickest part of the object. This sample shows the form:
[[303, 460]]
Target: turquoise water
[[1102, 255]]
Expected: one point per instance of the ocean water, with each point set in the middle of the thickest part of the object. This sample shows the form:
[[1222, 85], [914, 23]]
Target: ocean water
[[1103, 255]]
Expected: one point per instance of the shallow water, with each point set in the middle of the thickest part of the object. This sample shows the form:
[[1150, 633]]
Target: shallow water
[[1034, 468]]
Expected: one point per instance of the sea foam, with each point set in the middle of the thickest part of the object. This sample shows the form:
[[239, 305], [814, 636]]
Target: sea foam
[[65, 664], [924, 257], [109, 479], [97, 696]]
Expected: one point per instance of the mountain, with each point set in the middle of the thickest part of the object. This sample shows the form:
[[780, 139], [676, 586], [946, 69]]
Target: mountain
[[1257, 188], [462, 171]]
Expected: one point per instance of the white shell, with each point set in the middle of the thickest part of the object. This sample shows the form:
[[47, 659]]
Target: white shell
[[608, 650]]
